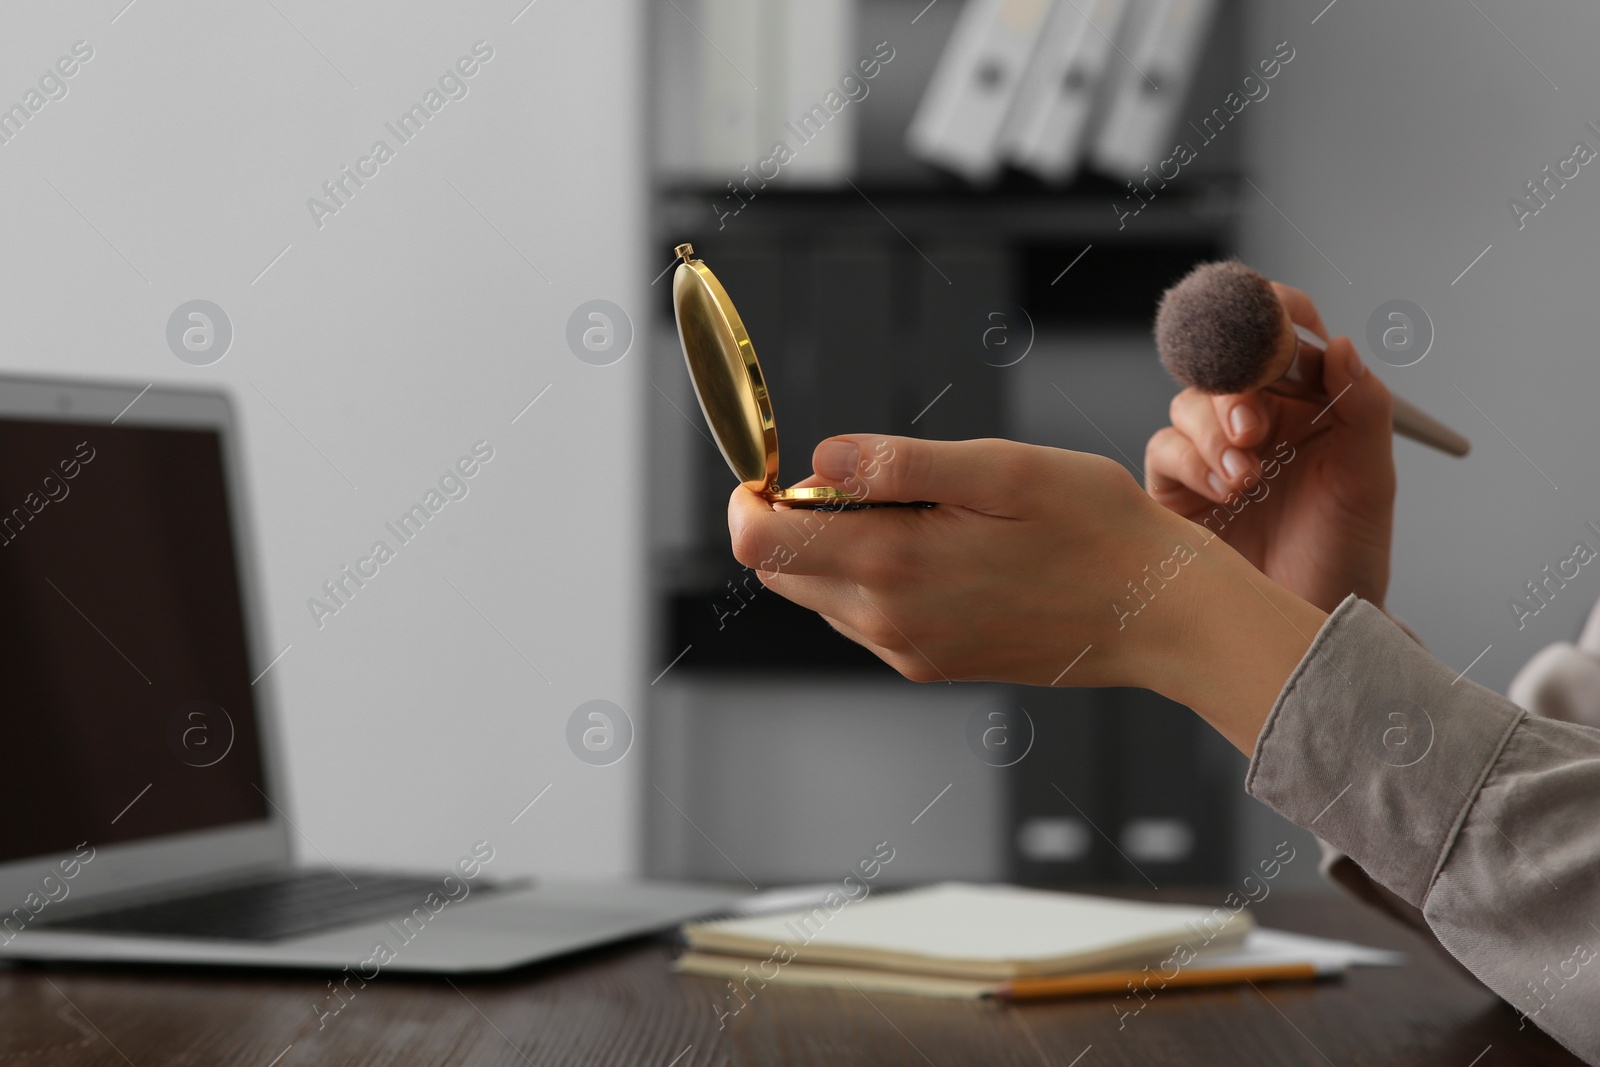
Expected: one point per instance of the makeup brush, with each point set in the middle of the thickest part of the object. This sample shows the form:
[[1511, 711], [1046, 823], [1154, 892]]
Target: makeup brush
[[1223, 330]]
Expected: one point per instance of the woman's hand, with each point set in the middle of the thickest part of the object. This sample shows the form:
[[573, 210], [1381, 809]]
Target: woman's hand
[[1038, 566], [1304, 491]]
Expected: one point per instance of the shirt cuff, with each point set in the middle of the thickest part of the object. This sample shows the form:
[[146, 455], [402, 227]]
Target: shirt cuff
[[1378, 748]]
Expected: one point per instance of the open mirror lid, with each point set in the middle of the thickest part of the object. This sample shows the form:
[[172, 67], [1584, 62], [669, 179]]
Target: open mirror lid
[[729, 384]]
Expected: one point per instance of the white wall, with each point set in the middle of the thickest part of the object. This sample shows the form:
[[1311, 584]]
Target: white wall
[[1394, 141], [389, 340]]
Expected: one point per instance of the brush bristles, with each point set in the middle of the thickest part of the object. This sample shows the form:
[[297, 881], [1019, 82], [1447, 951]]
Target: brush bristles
[[1218, 328]]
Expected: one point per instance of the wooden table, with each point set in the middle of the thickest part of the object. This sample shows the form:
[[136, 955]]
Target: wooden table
[[622, 1006]]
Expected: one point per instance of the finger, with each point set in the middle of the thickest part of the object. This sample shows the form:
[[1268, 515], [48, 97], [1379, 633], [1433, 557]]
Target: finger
[[844, 605], [809, 481], [1177, 476], [1194, 416], [833, 598], [1361, 400], [908, 662], [1244, 418], [791, 540], [1302, 310], [987, 476], [855, 635]]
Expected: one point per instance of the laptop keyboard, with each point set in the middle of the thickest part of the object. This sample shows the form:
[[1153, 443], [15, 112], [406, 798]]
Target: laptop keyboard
[[283, 906]]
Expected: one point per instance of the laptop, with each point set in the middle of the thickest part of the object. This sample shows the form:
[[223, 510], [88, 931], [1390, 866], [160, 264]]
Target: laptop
[[142, 807]]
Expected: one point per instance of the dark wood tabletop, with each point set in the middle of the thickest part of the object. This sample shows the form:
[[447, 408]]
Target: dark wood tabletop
[[623, 1006]]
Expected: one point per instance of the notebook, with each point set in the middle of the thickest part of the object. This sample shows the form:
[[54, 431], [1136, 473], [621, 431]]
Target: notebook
[[978, 933], [1263, 955]]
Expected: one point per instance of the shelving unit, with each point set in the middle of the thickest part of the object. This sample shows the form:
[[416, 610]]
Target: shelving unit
[[869, 305], [1018, 210]]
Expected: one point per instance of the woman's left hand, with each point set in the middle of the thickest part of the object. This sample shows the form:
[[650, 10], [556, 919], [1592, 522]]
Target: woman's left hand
[[1036, 560]]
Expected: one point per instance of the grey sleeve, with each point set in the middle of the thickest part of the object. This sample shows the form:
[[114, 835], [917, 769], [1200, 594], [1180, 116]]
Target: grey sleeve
[[1455, 801]]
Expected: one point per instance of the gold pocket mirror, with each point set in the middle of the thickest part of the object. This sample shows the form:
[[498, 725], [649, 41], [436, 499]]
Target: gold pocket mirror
[[729, 385]]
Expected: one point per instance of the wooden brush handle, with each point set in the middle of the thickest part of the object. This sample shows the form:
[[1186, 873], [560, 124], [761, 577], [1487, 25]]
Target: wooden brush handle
[[1304, 380], [1411, 421]]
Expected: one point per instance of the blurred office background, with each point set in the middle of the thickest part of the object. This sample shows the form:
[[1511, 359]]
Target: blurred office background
[[927, 267], [889, 283], [882, 284]]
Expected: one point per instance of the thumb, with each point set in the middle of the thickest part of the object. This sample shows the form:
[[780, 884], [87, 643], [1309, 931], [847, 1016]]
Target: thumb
[[985, 475], [1362, 400]]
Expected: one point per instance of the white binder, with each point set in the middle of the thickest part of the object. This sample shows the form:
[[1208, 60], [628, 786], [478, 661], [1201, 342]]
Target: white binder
[[963, 112], [735, 36], [1140, 119], [817, 41], [1049, 127]]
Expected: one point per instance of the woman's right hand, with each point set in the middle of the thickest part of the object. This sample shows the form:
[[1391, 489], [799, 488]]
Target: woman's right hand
[[1303, 491]]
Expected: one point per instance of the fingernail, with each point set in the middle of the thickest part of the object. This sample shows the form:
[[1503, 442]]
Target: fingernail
[[1234, 462], [837, 460], [1242, 419], [1216, 484], [1358, 369]]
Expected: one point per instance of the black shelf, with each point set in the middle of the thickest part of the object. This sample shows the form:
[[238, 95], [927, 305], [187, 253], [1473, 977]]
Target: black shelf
[[1005, 213], [745, 627]]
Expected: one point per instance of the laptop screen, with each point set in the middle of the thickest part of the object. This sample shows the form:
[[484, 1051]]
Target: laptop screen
[[126, 708]]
